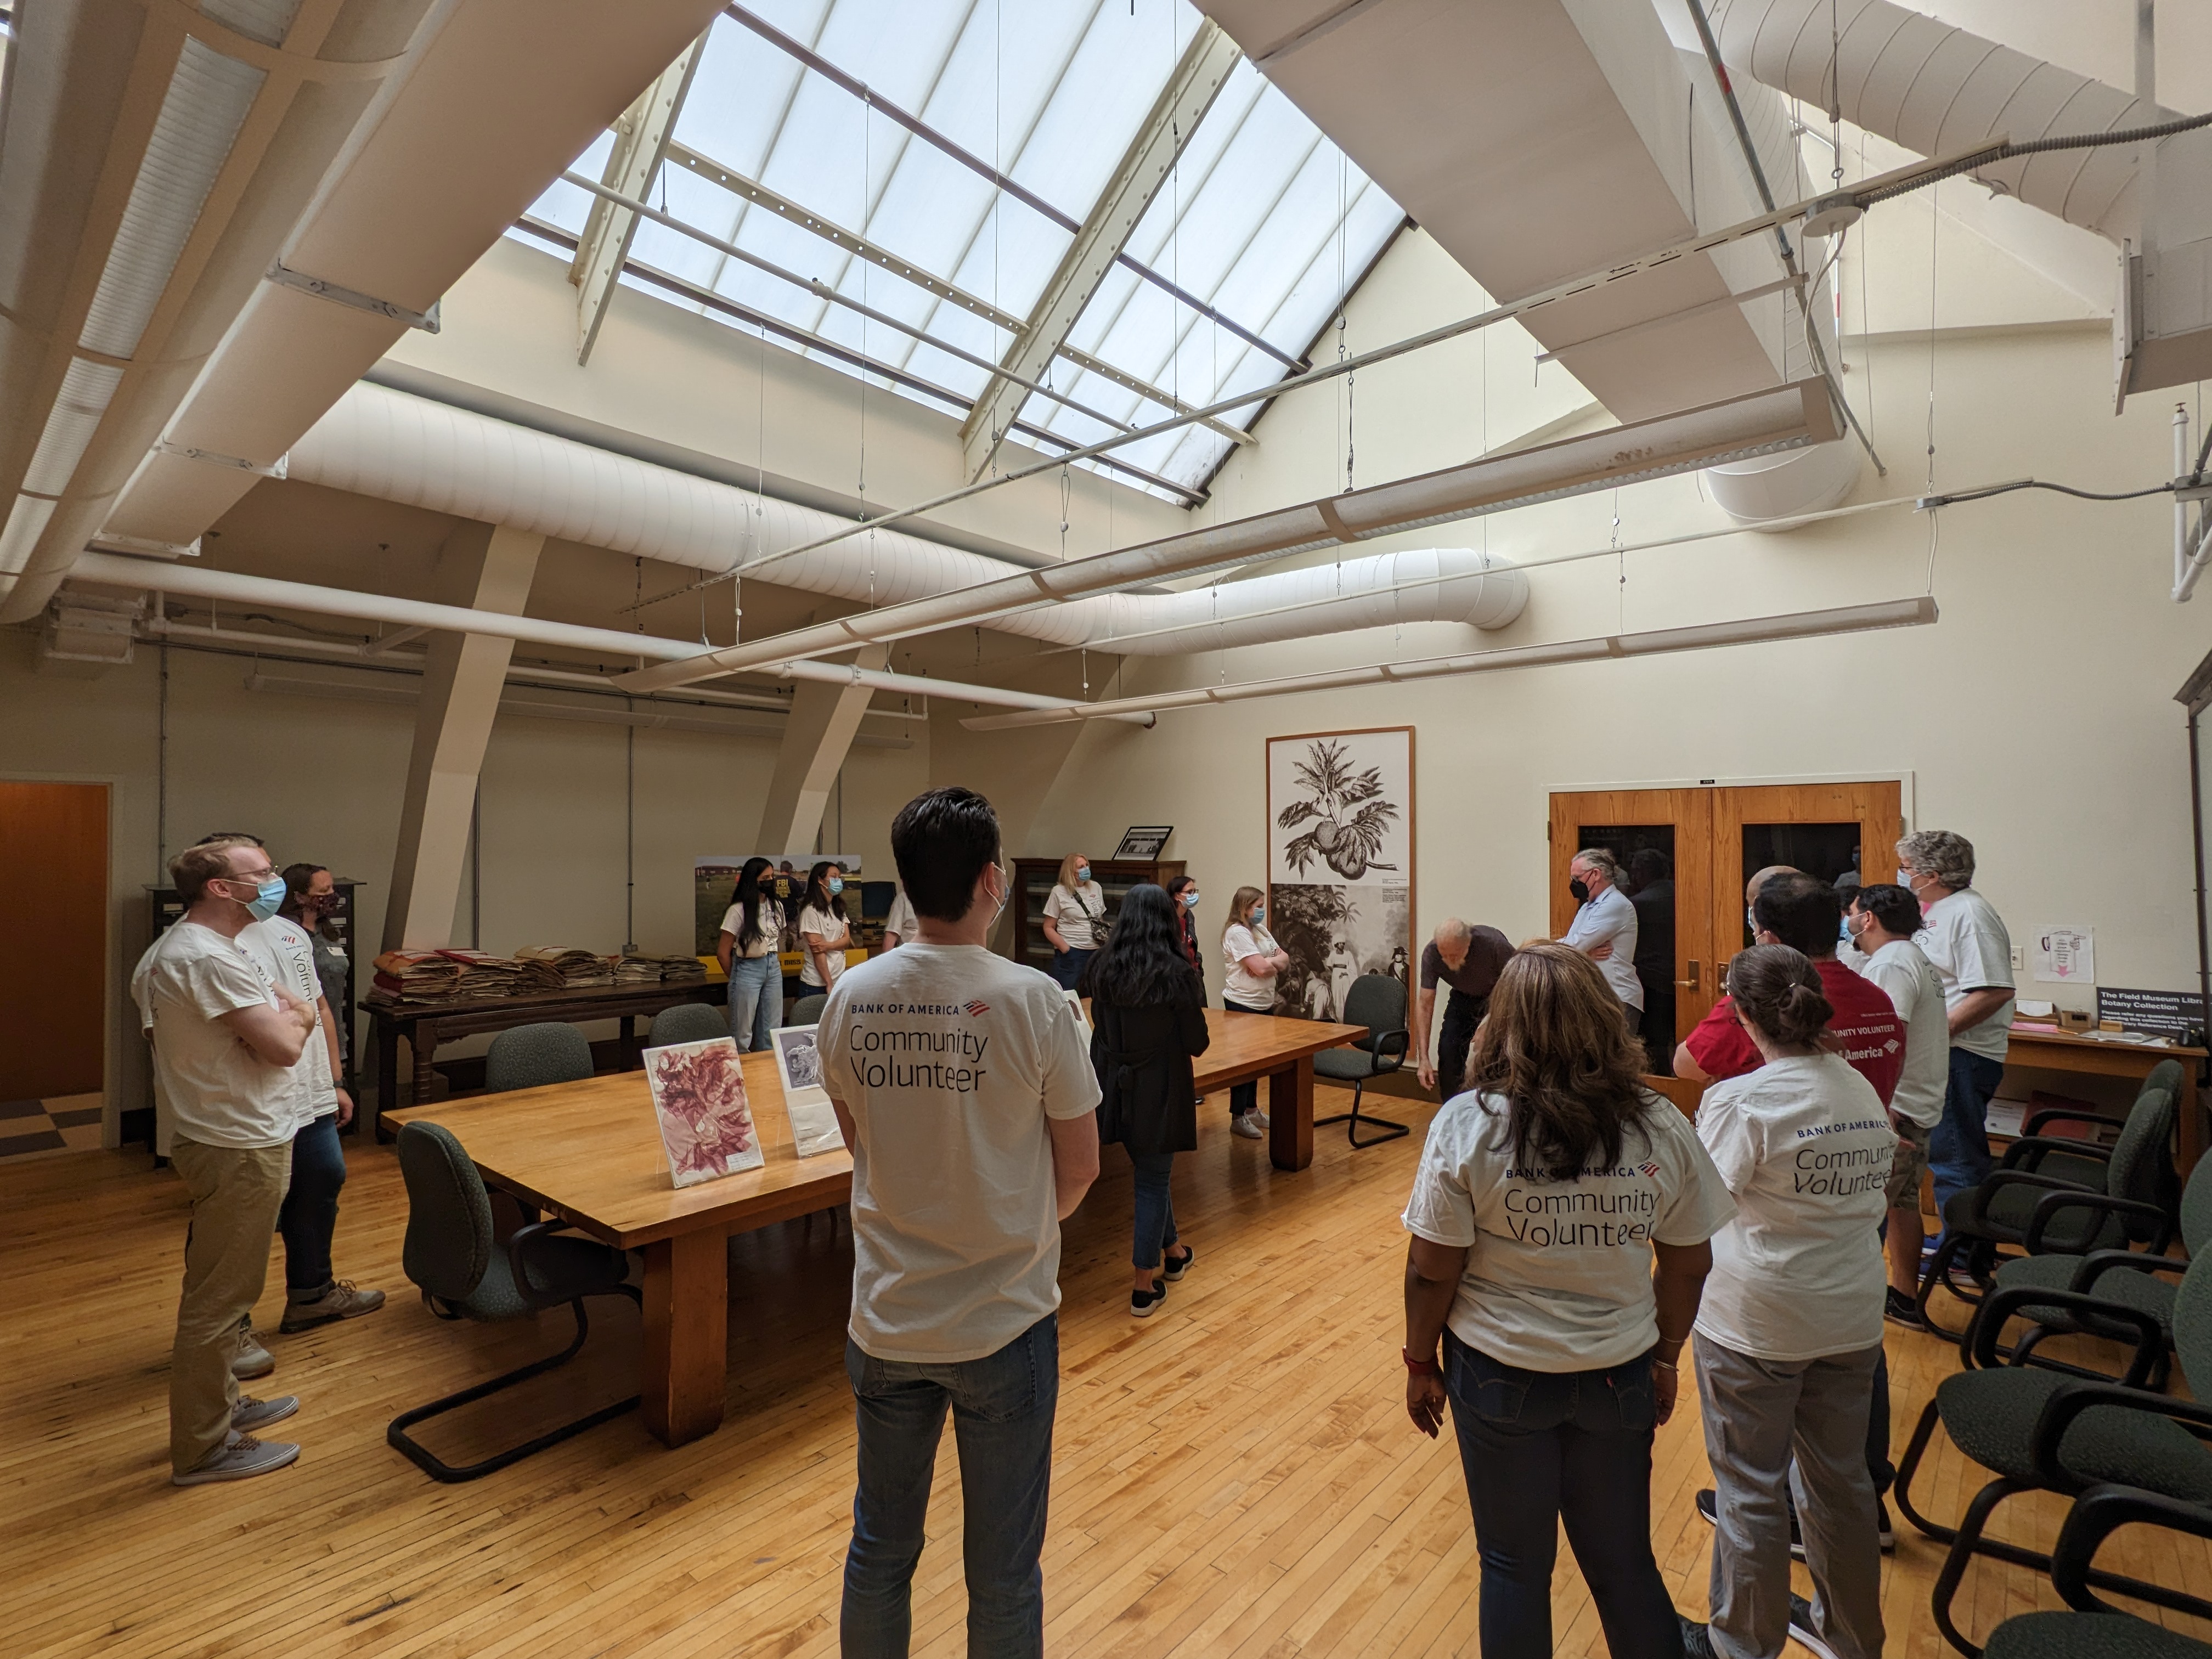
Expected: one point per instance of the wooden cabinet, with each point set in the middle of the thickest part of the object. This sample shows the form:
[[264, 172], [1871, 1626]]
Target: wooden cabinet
[[1034, 879]]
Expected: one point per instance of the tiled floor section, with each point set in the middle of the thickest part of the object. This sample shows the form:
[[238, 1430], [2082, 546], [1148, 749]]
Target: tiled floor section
[[69, 1124]]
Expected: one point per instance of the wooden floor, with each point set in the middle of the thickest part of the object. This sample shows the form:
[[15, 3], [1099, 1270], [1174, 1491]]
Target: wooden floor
[[1235, 1475]]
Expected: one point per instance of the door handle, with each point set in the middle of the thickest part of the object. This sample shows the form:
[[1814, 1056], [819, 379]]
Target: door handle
[[1691, 983]]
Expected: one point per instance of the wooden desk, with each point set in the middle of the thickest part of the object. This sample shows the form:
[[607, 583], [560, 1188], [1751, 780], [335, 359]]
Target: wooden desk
[[1246, 1047], [427, 1024], [590, 1153], [2057, 1051]]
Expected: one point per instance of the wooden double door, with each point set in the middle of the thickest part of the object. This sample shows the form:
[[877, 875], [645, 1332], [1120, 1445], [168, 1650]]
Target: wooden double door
[[1689, 853]]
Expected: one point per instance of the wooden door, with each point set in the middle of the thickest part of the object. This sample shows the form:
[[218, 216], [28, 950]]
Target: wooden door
[[1678, 822], [53, 914], [1823, 828]]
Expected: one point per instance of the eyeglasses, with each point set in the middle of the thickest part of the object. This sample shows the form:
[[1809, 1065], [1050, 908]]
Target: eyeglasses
[[257, 877]]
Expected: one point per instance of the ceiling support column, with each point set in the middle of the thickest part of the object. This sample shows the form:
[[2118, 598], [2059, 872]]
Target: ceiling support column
[[824, 718], [486, 568]]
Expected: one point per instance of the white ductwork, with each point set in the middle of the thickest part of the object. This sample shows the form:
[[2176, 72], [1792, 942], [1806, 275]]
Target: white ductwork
[[401, 448]]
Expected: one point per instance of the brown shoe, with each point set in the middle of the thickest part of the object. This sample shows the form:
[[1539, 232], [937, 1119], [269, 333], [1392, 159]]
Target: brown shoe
[[341, 1300]]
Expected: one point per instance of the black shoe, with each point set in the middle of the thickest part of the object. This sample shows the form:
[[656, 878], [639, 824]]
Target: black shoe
[[1174, 1269], [1902, 1309], [1802, 1631], [1708, 1507], [1883, 1531], [1141, 1302], [1697, 1639]]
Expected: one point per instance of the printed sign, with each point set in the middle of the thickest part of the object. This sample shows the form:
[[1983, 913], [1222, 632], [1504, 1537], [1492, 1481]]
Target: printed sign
[[2167, 1013], [2063, 955]]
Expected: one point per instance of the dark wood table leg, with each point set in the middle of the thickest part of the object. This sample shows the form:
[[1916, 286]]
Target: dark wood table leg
[[424, 1044], [388, 1073], [687, 1320], [1289, 1115], [626, 1042]]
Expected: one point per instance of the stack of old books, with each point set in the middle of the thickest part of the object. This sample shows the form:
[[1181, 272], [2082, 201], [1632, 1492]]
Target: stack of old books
[[645, 967], [563, 968], [418, 975], [486, 976]]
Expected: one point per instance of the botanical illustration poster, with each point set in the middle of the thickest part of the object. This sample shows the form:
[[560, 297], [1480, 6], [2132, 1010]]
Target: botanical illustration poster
[[799, 1068], [699, 1096], [1339, 863]]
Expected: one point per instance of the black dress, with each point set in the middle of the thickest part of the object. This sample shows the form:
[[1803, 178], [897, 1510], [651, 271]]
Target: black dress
[[1142, 1055]]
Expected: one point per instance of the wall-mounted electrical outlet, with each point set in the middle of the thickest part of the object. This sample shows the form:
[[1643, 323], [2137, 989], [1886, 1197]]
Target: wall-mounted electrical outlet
[[2019, 958]]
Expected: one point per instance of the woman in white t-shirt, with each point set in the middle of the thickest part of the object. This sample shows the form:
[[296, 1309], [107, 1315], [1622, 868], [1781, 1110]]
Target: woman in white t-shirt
[[1789, 1331], [1253, 959], [1543, 1195], [824, 931], [1074, 920], [747, 946]]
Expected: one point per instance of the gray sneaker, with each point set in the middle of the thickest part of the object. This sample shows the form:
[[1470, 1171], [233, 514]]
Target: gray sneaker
[[252, 1359], [239, 1458], [250, 1414], [1244, 1128], [341, 1300]]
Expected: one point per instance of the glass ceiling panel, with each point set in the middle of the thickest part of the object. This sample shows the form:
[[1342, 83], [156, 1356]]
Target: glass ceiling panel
[[1263, 219]]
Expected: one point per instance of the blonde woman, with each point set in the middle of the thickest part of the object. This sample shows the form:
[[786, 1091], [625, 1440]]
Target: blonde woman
[[1254, 959], [1074, 920]]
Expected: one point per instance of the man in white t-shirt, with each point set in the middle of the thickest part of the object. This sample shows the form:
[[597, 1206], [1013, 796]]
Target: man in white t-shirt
[[1962, 935], [1604, 928], [963, 1085], [900, 927], [226, 1036], [1882, 919]]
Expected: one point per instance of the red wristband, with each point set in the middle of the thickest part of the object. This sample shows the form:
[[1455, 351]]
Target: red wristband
[[1426, 1367]]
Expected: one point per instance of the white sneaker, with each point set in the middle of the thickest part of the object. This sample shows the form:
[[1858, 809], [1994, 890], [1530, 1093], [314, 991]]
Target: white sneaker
[[239, 1458], [252, 1359], [1259, 1116], [1245, 1126], [250, 1414]]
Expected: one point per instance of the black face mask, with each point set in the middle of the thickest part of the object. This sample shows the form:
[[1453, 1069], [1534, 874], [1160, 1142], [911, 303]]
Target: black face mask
[[1580, 888]]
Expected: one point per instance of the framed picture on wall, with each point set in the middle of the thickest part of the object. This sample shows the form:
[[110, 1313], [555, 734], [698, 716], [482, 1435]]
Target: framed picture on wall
[[1143, 842], [1339, 863]]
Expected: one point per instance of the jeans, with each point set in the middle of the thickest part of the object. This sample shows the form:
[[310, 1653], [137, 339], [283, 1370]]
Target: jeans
[[1244, 1096], [1156, 1223], [1540, 1447], [1002, 1411], [1067, 967], [756, 1001], [1462, 1014], [1959, 1146], [310, 1215]]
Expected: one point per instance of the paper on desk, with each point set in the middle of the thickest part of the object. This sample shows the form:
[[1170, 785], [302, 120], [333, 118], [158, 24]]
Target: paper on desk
[[798, 1067], [2065, 954]]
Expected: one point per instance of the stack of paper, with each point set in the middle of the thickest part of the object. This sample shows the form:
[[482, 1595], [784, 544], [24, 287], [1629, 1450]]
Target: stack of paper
[[638, 971], [563, 967], [418, 975], [647, 968], [486, 976]]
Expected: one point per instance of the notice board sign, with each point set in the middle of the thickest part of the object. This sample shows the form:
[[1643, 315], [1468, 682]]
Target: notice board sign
[[2163, 1013]]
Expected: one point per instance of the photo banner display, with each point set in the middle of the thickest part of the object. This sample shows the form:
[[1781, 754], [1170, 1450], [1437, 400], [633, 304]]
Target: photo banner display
[[714, 878], [1339, 863]]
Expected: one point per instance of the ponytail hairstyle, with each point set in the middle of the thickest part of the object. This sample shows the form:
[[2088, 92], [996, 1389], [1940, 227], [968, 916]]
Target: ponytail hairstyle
[[1240, 905], [1775, 989], [1555, 1047], [747, 898]]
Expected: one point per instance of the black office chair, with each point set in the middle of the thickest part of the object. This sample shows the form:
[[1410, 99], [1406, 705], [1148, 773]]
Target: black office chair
[[531, 1056], [1378, 1002], [807, 1010], [449, 1252], [687, 1021], [2096, 1629]]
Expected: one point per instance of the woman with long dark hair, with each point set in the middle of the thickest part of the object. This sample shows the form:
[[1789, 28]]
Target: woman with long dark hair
[[1544, 1193], [1183, 891], [1147, 1020], [747, 946], [823, 929]]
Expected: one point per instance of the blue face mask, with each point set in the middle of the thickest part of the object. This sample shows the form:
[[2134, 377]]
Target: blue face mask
[[268, 898], [1190, 899], [837, 884], [1259, 914], [1083, 873]]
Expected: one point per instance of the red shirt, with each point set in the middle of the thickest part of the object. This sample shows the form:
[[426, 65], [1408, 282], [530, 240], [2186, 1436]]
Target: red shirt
[[1873, 1040]]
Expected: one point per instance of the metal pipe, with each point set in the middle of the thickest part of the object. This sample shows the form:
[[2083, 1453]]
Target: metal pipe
[[2181, 582]]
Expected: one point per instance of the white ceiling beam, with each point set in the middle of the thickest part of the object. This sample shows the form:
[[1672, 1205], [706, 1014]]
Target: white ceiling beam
[[1152, 155], [640, 145]]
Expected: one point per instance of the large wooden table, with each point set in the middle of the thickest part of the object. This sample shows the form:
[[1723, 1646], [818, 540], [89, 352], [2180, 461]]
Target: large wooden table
[[590, 1153]]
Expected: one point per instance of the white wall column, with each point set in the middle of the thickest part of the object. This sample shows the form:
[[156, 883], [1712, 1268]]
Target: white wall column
[[486, 568], [824, 718]]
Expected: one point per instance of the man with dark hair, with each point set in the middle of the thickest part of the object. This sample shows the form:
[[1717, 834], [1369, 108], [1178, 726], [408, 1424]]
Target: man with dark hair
[[226, 1035], [963, 1085]]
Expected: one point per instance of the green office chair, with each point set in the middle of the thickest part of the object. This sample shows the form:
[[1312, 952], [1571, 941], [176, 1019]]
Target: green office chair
[[449, 1252], [2036, 1428], [531, 1056], [1378, 1002], [2063, 1197], [687, 1021], [807, 1010], [2097, 1630]]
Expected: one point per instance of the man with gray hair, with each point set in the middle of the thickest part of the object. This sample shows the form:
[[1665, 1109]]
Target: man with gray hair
[[1964, 939], [1604, 928], [1467, 959]]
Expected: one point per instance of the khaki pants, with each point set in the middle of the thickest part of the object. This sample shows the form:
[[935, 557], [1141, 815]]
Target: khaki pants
[[236, 1192]]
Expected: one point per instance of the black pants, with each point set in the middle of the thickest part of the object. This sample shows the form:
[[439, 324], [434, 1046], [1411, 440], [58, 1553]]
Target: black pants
[[1244, 1096], [1462, 1013]]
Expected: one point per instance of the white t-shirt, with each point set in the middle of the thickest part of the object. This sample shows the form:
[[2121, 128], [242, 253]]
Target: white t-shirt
[[903, 919], [208, 1086], [1610, 917], [1558, 1271], [1805, 1146], [950, 1059], [1078, 913], [1966, 940], [285, 953], [1915, 990], [830, 929], [770, 919], [1238, 943]]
